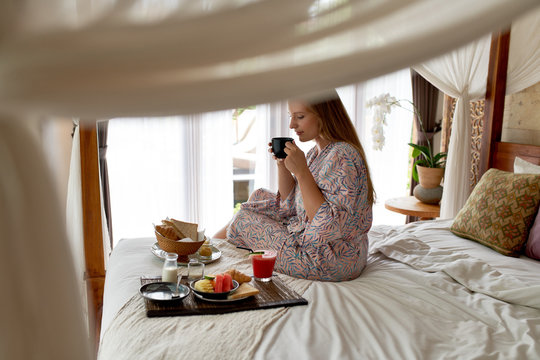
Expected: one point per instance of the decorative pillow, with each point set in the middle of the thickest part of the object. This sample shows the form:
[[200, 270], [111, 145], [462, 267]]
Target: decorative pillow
[[532, 249], [500, 210]]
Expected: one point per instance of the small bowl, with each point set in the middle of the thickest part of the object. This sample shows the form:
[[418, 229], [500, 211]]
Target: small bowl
[[214, 296], [163, 291]]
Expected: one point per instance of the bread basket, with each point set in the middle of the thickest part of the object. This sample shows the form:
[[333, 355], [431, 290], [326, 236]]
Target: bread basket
[[182, 248]]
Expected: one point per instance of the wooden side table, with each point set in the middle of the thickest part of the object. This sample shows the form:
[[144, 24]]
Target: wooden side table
[[409, 205]]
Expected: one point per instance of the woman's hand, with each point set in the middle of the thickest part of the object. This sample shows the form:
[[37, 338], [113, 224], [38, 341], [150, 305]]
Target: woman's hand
[[295, 161], [285, 179], [279, 162]]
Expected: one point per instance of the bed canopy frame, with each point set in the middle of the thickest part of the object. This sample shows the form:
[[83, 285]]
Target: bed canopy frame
[[92, 225], [494, 153]]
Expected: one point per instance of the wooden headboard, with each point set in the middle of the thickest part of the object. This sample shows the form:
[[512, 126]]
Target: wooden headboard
[[505, 153], [494, 152]]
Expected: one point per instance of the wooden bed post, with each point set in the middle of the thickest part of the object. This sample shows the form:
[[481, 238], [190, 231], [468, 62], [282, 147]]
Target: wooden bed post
[[92, 225], [495, 95]]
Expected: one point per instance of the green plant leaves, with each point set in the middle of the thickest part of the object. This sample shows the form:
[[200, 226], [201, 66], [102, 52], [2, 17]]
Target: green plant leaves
[[421, 162], [440, 159], [427, 159]]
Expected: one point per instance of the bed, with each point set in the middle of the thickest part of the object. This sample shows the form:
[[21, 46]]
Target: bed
[[426, 293]]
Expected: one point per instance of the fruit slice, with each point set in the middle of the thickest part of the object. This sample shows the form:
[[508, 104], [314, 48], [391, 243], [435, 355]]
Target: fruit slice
[[218, 286], [227, 282], [209, 277]]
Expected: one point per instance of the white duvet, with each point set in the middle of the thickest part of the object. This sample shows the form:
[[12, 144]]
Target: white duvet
[[425, 294]]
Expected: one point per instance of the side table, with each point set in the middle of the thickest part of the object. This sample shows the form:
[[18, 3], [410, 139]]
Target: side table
[[409, 205]]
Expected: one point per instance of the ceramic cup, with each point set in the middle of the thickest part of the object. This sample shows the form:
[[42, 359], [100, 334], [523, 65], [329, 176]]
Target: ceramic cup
[[278, 146]]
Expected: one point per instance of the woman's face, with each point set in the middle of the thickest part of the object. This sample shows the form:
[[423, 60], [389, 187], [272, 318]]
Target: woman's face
[[303, 121]]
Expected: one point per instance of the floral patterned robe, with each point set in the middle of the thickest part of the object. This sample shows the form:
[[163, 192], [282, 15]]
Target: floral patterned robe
[[331, 247]]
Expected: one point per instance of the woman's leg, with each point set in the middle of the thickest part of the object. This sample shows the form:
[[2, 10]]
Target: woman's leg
[[256, 231], [255, 195]]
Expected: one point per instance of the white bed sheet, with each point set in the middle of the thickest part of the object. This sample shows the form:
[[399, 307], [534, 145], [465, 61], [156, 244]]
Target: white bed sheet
[[425, 294]]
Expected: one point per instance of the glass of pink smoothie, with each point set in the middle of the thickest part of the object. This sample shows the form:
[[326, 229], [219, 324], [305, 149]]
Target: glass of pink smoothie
[[263, 264]]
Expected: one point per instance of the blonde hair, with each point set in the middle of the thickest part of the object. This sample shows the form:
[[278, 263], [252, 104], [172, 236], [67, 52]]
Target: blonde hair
[[336, 125]]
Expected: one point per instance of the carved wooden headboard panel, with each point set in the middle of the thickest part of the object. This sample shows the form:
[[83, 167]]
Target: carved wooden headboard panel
[[477, 123]]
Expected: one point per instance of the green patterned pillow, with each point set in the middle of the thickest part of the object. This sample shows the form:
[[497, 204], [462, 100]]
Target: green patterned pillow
[[500, 211]]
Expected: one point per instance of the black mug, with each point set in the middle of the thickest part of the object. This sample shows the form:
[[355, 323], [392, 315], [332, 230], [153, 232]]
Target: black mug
[[278, 146]]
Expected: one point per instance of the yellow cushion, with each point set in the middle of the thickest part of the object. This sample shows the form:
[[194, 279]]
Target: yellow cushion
[[500, 211]]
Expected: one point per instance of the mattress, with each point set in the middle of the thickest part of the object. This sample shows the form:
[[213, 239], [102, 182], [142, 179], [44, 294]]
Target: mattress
[[424, 294]]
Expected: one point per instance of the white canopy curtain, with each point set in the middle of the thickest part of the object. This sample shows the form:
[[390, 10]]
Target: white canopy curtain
[[462, 74], [106, 58], [524, 53], [41, 308]]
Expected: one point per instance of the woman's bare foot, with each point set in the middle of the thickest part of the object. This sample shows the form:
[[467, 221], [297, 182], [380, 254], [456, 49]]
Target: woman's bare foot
[[221, 234]]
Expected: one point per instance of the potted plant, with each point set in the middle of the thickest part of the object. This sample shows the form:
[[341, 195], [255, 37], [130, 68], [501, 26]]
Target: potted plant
[[428, 170]]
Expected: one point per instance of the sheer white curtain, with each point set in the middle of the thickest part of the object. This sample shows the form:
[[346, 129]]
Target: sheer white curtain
[[462, 75], [390, 166], [74, 216], [272, 120], [178, 167], [524, 53]]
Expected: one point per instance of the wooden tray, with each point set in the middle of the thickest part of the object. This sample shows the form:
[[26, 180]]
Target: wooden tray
[[272, 294]]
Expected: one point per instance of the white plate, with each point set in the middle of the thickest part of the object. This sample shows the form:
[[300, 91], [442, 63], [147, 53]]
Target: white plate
[[218, 300], [216, 254]]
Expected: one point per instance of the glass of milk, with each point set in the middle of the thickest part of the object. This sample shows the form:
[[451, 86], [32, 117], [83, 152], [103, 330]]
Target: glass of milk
[[170, 268]]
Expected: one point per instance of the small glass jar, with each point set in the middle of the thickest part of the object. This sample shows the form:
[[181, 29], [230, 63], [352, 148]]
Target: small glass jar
[[195, 270], [170, 268]]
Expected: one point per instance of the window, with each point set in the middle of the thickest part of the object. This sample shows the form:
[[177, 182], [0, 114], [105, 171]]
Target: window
[[197, 168], [244, 143]]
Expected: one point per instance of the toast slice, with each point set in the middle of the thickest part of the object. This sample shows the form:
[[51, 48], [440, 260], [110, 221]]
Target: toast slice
[[179, 234], [186, 228], [244, 290]]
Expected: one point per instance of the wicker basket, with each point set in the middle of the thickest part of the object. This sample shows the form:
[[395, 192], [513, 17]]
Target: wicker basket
[[182, 248]]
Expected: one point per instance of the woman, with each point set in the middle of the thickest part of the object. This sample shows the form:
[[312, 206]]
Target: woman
[[319, 219]]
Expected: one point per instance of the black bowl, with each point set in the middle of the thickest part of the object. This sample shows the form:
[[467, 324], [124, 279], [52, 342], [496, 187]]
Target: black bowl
[[163, 291], [214, 296]]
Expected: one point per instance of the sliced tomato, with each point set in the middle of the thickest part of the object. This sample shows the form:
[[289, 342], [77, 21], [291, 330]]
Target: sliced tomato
[[218, 287], [227, 282]]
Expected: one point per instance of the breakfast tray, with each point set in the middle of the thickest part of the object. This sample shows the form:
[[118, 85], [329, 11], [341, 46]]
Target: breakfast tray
[[272, 294]]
